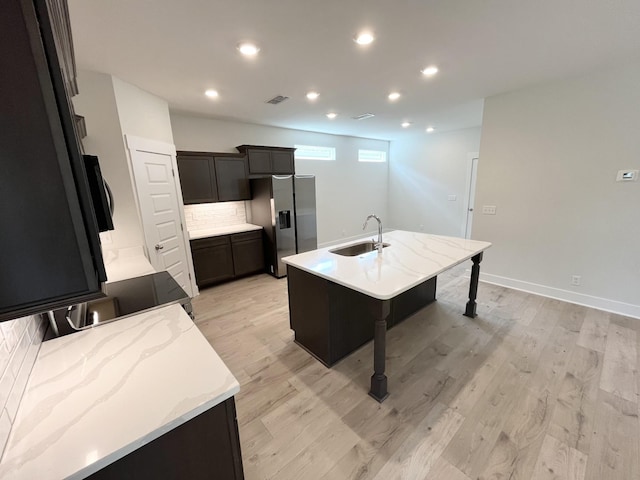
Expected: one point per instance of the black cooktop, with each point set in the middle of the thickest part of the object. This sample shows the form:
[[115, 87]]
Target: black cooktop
[[122, 299]]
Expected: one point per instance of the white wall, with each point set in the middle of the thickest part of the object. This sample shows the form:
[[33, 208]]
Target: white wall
[[424, 170], [548, 161], [113, 108], [346, 190], [141, 113], [97, 103]]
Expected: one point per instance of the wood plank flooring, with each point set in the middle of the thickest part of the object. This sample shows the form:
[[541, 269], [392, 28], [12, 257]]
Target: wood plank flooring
[[533, 388]]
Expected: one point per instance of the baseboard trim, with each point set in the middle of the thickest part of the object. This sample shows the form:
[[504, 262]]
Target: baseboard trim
[[599, 303]]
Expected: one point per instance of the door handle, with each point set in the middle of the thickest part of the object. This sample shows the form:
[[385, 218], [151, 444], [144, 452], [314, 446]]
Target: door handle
[[159, 247]]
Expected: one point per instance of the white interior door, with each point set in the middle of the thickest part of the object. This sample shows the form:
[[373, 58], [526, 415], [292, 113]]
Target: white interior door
[[161, 210], [471, 193]]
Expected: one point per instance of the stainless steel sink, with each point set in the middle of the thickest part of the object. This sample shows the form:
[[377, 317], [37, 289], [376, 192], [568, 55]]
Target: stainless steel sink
[[357, 249]]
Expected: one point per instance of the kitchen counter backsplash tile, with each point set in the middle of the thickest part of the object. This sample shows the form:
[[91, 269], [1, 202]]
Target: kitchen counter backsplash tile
[[20, 341], [211, 215]]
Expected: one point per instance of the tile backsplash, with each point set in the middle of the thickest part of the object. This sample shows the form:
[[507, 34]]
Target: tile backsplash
[[20, 341], [211, 215]]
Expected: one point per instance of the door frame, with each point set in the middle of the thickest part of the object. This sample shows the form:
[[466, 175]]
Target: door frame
[[473, 159], [140, 144]]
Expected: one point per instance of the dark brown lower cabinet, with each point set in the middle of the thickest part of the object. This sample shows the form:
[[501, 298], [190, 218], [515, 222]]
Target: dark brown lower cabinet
[[222, 258], [331, 321], [205, 447], [212, 260], [248, 254]]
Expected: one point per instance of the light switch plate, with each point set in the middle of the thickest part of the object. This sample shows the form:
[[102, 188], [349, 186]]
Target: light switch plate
[[452, 198], [488, 209]]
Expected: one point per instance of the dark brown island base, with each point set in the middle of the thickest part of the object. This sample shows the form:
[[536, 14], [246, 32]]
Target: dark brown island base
[[338, 303]]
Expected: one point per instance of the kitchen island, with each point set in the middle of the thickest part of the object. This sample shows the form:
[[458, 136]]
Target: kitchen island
[[141, 397], [337, 303]]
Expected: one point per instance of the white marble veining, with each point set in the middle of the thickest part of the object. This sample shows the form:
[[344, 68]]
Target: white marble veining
[[226, 230], [97, 395], [126, 263], [410, 259]]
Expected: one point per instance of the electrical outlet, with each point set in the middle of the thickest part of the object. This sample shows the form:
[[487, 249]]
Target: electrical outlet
[[488, 209], [421, 228], [344, 233], [575, 280]]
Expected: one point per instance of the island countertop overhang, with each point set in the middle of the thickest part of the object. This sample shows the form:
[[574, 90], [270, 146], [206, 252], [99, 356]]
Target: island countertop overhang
[[411, 259]]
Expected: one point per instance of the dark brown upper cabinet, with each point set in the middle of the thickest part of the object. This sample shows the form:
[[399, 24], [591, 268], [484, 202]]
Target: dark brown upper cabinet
[[268, 160], [50, 246], [197, 178], [232, 178], [207, 177]]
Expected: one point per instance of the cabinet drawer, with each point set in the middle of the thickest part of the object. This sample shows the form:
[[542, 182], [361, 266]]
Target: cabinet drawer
[[210, 242], [241, 237]]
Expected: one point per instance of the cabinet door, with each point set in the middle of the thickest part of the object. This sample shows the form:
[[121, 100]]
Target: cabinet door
[[248, 255], [282, 162], [259, 161], [231, 178], [212, 260], [207, 446], [196, 179], [49, 247]]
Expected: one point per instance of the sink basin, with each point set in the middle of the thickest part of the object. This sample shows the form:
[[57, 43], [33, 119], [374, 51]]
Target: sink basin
[[356, 249]]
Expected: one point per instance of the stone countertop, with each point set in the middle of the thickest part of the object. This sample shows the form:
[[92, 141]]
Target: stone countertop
[[97, 395], [410, 259], [126, 263], [217, 231]]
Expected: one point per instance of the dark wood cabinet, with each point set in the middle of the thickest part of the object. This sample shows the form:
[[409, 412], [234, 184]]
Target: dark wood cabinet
[[268, 160], [231, 178], [212, 260], [282, 162], [197, 178], [259, 162], [248, 254], [50, 247], [207, 177], [205, 447], [222, 258]]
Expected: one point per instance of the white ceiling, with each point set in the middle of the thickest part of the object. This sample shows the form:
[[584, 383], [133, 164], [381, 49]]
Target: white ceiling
[[177, 49]]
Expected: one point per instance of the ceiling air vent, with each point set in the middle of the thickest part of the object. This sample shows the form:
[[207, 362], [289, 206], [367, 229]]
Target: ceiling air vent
[[277, 99], [363, 116]]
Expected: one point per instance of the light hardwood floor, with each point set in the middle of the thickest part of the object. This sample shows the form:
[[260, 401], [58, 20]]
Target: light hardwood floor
[[533, 388]]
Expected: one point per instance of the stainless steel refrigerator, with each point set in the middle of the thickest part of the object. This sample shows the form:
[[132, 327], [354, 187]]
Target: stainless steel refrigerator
[[285, 206]]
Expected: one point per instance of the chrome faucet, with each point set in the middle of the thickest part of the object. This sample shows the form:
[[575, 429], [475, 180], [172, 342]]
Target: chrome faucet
[[379, 243]]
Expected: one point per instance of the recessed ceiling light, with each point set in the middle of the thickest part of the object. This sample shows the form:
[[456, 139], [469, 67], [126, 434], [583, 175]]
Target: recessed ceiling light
[[331, 115], [429, 71], [364, 38], [406, 124], [430, 129], [312, 95], [248, 49], [211, 93], [394, 95]]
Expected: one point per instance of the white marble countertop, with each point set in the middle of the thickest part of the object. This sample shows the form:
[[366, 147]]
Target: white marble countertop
[[97, 395], [217, 231], [126, 263], [410, 259]]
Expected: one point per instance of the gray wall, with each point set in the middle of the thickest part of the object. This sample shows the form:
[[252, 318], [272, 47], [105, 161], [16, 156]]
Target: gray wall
[[425, 169], [548, 161]]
